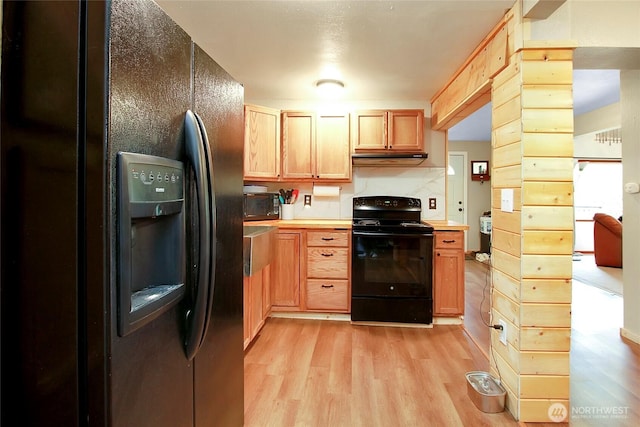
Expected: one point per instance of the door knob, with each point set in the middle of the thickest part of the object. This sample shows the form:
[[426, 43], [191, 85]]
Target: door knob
[[459, 209]]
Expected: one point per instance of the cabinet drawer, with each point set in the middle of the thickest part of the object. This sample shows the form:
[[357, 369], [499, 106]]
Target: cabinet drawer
[[328, 238], [328, 294], [328, 262], [449, 239]]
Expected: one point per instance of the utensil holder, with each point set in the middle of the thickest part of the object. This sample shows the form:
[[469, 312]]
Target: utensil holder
[[286, 211]]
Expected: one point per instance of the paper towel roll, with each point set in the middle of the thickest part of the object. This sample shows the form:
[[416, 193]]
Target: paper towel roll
[[326, 191]]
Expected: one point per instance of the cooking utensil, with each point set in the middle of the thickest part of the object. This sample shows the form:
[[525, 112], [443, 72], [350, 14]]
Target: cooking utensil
[[294, 195]]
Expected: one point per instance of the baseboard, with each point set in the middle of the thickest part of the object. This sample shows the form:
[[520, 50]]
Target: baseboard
[[629, 336], [455, 320], [347, 318], [312, 316]]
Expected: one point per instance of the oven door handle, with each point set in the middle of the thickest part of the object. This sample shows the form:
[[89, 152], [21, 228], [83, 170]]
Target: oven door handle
[[382, 234]]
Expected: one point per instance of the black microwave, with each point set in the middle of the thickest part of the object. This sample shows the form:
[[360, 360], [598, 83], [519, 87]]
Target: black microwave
[[259, 206]]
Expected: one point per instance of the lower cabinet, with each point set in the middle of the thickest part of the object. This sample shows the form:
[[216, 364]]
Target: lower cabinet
[[311, 271], [257, 303], [285, 275], [448, 273], [327, 271]]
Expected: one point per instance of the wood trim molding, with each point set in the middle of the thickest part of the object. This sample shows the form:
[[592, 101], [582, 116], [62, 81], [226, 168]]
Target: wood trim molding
[[470, 86]]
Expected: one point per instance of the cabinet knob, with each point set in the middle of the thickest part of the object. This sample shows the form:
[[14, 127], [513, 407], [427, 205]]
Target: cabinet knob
[[327, 286], [448, 241], [327, 238], [438, 254], [323, 254]]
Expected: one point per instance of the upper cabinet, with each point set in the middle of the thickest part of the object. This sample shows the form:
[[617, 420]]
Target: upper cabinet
[[391, 130], [333, 147], [315, 146], [298, 145], [261, 143]]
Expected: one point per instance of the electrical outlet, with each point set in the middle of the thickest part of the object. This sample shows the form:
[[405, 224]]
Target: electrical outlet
[[307, 200], [432, 203], [503, 332]]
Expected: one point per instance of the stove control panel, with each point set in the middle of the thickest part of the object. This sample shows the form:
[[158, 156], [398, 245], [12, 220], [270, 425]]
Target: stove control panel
[[387, 203]]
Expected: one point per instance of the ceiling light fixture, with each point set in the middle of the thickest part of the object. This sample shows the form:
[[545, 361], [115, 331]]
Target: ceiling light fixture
[[330, 87]]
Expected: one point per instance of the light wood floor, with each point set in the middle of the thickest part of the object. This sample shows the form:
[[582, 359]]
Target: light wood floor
[[331, 373], [605, 370]]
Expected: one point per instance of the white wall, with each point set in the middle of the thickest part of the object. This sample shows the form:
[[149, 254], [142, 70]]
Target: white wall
[[585, 128], [592, 23], [478, 195], [630, 101], [606, 32], [420, 182]]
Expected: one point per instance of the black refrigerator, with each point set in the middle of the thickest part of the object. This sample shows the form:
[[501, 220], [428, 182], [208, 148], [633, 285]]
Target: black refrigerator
[[85, 84]]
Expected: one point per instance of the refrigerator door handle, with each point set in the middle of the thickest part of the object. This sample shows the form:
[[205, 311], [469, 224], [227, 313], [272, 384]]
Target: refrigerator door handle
[[212, 224], [197, 152]]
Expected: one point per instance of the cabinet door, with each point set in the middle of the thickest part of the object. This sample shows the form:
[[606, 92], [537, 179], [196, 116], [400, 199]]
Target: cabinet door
[[298, 145], [328, 294], [285, 283], [261, 143], [333, 147], [370, 130], [406, 131], [266, 291], [255, 314], [246, 308], [448, 286]]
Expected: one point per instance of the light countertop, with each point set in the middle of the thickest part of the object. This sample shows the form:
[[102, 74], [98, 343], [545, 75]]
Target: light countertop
[[305, 223], [438, 225], [445, 225]]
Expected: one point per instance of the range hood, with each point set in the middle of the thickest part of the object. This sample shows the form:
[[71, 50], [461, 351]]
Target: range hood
[[388, 159]]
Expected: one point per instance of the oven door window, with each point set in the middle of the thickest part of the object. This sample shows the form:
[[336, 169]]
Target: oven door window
[[392, 265]]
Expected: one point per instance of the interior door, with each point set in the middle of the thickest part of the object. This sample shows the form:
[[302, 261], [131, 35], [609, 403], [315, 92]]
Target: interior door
[[457, 189]]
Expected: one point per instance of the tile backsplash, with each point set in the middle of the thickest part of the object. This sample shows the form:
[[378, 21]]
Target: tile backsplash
[[421, 182]]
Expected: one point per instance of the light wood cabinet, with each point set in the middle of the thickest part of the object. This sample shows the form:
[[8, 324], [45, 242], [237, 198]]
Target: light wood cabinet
[[392, 130], [448, 273], [261, 143], [298, 145], [256, 307], [315, 146], [370, 130], [406, 130], [333, 147], [328, 263], [285, 272]]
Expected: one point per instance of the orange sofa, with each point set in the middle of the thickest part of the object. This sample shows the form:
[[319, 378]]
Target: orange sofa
[[607, 240]]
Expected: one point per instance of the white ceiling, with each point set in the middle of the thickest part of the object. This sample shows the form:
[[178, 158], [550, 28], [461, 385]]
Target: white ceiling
[[393, 51]]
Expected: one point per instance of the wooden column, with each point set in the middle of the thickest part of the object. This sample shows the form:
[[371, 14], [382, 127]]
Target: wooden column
[[532, 120]]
